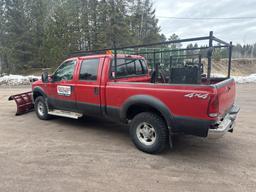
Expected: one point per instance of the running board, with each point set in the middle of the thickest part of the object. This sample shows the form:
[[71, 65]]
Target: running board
[[68, 114]]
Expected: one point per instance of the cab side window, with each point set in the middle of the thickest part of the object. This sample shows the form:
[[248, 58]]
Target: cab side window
[[65, 71], [89, 70]]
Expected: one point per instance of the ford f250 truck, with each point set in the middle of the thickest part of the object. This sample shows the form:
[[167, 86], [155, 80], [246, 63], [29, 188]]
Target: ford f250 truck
[[120, 87]]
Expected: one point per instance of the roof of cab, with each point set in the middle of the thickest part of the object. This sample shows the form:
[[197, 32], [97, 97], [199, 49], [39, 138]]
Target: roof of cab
[[106, 55]]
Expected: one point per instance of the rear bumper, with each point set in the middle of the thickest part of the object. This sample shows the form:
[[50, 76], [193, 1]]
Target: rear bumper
[[225, 125]]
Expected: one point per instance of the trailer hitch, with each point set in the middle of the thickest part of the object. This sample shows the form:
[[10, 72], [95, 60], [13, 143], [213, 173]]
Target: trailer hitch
[[23, 101]]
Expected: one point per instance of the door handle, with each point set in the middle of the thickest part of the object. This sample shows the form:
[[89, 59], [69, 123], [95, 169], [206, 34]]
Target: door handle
[[96, 90]]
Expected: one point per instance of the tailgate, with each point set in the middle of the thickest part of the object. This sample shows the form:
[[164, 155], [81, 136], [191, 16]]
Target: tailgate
[[226, 91]]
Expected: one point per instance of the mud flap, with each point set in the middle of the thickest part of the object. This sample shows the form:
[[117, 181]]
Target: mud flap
[[23, 101], [170, 141]]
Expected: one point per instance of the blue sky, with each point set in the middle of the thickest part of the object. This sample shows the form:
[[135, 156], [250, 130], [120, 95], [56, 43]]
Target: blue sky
[[239, 31]]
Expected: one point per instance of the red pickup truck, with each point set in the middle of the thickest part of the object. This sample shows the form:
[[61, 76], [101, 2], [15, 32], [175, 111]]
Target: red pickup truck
[[125, 92]]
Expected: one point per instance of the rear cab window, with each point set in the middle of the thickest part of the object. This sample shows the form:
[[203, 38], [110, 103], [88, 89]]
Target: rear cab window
[[127, 67]]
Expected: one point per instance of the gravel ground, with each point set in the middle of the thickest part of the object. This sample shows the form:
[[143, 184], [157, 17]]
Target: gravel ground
[[95, 155]]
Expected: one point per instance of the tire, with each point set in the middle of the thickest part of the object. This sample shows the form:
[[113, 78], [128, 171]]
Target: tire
[[41, 108], [149, 133]]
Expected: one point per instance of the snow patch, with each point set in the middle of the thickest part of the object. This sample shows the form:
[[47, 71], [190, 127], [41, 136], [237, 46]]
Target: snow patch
[[17, 79], [239, 79], [27, 80], [246, 79], [218, 75]]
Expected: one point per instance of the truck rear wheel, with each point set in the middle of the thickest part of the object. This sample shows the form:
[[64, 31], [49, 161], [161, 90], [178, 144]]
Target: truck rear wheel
[[149, 133], [41, 108]]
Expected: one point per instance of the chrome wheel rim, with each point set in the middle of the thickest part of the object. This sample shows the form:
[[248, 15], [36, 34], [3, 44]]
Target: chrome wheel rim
[[146, 133], [40, 108]]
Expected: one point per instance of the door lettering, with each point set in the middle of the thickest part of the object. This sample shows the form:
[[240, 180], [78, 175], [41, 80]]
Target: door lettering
[[64, 90]]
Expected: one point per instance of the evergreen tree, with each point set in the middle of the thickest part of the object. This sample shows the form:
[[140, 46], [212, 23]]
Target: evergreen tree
[[18, 35], [40, 33], [174, 37], [37, 20], [2, 25]]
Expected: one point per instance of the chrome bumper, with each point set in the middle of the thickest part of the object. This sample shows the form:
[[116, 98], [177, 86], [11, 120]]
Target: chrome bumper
[[226, 125]]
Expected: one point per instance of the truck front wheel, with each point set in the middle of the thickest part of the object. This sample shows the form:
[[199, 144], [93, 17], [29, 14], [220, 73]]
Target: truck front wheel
[[149, 132], [41, 108]]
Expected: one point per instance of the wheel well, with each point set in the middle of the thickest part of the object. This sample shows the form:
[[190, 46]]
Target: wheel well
[[36, 94], [139, 108]]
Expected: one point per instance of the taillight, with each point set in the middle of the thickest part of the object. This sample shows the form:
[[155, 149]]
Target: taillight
[[213, 108]]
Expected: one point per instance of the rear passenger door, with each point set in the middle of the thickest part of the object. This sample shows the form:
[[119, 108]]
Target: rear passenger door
[[88, 86]]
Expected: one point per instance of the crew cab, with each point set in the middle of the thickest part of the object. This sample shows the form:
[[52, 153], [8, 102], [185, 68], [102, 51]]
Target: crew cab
[[181, 99], [89, 85]]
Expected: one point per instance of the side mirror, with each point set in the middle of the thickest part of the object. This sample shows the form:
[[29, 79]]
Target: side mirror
[[50, 78], [45, 77]]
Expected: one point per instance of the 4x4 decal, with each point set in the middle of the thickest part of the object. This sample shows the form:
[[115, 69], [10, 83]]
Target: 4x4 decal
[[197, 95]]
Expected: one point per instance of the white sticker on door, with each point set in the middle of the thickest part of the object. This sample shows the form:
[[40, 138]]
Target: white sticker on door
[[64, 90]]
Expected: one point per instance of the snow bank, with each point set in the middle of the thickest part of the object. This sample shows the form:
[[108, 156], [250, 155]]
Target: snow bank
[[246, 79], [17, 79], [27, 80], [218, 75], [239, 79]]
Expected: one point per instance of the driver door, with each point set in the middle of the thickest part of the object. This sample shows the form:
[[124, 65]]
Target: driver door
[[62, 94]]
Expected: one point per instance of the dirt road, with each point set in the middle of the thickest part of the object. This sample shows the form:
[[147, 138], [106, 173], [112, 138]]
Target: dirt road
[[95, 155]]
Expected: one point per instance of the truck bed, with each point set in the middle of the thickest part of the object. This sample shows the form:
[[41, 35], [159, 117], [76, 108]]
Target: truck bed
[[183, 101]]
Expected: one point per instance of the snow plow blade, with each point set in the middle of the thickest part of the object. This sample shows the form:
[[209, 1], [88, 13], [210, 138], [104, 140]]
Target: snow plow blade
[[23, 101]]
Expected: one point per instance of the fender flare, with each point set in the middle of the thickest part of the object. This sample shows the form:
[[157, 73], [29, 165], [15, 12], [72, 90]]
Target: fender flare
[[39, 90], [150, 101]]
